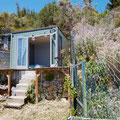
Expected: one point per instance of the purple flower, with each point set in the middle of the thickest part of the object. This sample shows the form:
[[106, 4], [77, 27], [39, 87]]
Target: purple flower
[[118, 54], [99, 106], [95, 111], [79, 113], [82, 29]]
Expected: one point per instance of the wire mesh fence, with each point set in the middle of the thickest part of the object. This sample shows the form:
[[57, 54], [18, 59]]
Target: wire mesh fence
[[98, 89]]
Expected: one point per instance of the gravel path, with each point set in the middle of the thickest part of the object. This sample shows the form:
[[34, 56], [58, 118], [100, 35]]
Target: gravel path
[[44, 110]]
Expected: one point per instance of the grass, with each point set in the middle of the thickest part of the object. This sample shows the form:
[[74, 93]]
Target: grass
[[44, 110]]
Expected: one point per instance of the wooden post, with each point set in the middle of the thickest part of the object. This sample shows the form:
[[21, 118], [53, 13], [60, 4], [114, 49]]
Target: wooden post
[[36, 85], [9, 82]]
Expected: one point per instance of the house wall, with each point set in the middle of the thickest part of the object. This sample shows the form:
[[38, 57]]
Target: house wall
[[4, 59]]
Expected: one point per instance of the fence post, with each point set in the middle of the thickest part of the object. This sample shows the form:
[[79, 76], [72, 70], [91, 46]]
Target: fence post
[[84, 89]]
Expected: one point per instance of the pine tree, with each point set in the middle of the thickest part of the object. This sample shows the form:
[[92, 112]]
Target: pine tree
[[87, 2], [47, 14], [2, 25], [113, 4]]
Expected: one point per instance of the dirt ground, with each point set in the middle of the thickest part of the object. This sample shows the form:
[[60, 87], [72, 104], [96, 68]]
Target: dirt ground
[[44, 110]]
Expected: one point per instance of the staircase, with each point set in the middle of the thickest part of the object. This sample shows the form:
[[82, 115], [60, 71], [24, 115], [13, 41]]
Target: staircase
[[19, 93]]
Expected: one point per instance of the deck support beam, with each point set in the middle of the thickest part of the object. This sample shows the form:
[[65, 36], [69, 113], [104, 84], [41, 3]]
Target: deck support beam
[[36, 85], [9, 82]]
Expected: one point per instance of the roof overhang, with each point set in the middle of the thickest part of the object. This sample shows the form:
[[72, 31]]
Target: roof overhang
[[5, 35]]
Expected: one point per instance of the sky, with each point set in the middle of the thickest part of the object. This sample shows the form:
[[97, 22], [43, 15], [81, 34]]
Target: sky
[[37, 5]]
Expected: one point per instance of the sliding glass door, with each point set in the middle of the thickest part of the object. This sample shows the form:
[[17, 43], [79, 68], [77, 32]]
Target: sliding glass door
[[22, 53]]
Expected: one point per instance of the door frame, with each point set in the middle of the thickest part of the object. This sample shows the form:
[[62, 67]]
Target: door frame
[[27, 56], [56, 53]]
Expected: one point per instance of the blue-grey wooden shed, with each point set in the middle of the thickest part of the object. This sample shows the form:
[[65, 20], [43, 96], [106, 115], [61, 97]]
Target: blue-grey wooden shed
[[37, 48]]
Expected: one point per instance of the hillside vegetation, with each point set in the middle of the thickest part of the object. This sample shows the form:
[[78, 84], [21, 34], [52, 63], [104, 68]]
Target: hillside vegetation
[[102, 30]]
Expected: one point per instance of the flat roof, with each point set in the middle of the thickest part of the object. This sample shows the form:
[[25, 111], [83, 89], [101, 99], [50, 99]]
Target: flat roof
[[42, 28]]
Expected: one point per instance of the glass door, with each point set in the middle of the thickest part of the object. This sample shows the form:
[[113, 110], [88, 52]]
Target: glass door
[[22, 53]]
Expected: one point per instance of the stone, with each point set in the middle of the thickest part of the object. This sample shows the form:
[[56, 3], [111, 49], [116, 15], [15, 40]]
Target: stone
[[49, 97], [55, 88], [51, 88], [2, 98], [45, 84], [60, 91], [60, 88], [61, 82], [40, 88]]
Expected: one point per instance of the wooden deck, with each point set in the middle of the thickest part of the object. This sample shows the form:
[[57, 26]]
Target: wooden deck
[[43, 68]]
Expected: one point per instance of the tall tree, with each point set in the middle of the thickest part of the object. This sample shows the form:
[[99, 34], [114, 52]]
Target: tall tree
[[18, 10], [87, 2], [2, 25], [47, 14], [113, 4], [65, 16]]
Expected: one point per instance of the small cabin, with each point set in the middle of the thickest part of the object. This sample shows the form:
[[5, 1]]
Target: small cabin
[[36, 48]]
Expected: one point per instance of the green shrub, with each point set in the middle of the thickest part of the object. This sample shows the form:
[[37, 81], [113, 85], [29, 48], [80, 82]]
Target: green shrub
[[86, 49], [49, 76], [100, 97], [68, 85], [102, 15], [102, 104], [96, 74], [31, 93], [117, 22], [73, 111]]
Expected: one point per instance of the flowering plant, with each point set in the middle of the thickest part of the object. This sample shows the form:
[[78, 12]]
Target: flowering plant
[[96, 40]]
